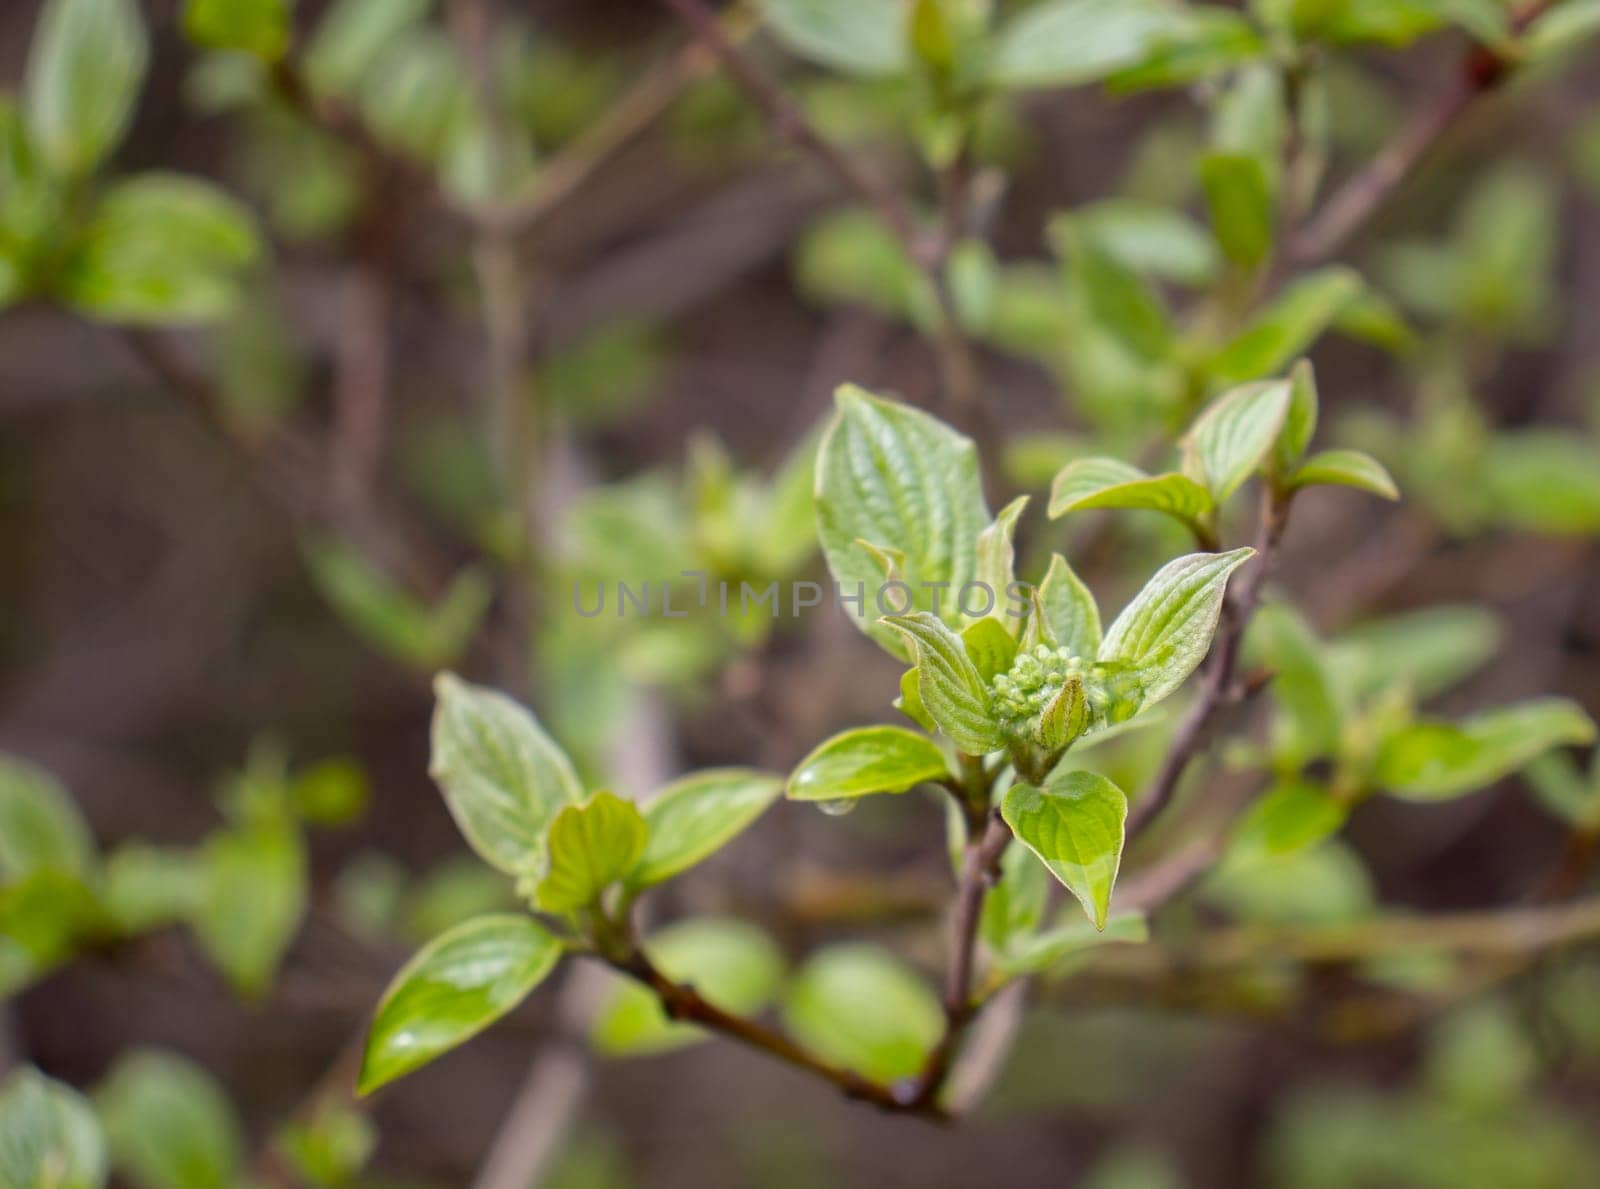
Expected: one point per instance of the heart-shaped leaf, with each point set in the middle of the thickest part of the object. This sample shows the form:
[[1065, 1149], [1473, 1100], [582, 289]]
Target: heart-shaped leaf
[[1074, 823]]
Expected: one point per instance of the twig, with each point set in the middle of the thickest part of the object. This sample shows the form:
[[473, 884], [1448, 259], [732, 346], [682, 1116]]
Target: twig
[[682, 1002], [1354, 203], [1217, 690], [791, 123], [979, 870]]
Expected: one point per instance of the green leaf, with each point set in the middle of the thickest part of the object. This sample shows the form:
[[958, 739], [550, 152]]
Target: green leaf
[[951, 689], [49, 1136], [146, 887], [1312, 705], [909, 703], [1042, 951], [1116, 296], [1346, 468], [1545, 481], [990, 647], [85, 67], [1146, 237], [858, 1006], [1430, 649], [1067, 42], [591, 847], [503, 777], [1289, 817], [731, 963], [1016, 904], [257, 27], [1207, 43], [896, 477], [40, 827], [1433, 760], [1299, 420], [694, 817], [1074, 824], [1287, 327], [1562, 29], [354, 38], [1069, 609], [997, 559], [1566, 792], [867, 760], [161, 248], [1165, 632], [169, 1123], [1233, 436], [865, 37], [453, 989], [1239, 197], [1110, 483], [254, 894]]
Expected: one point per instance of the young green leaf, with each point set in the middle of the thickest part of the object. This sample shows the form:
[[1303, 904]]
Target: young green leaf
[[161, 248], [1074, 824], [1066, 42], [169, 1123], [1110, 483], [1147, 237], [1544, 481], [860, 1007], [894, 476], [731, 963], [1566, 792], [453, 989], [40, 827], [1017, 902], [1433, 760], [1042, 951], [503, 777], [49, 1136], [593, 845], [1346, 468], [865, 37], [952, 690], [85, 67], [697, 816], [1289, 817], [1070, 609], [1299, 421], [354, 37], [909, 703], [1233, 436], [990, 647], [1312, 705], [1293, 321], [1239, 197], [1165, 632], [997, 559], [257, 27], [1116, 296], [146, 887], [253, 897], [867, 760]]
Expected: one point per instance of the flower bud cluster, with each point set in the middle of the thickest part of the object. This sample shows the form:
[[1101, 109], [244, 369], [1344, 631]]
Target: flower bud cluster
[[1034, 679]]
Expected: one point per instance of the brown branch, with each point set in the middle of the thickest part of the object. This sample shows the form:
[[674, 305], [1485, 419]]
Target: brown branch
[[1354, 203], [1217, 689], [682, 1002], [790, 122], [979, 871]]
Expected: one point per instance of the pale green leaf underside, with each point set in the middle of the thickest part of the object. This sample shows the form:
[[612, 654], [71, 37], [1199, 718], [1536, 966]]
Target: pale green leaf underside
[[454, 988], [1070, 609], [867, 760], [1233, 436], [1110, 483], [698, 815], [503, 778], [1347, 468], [953, 692], [1165, 631], [49, 1136], [1074, 824], [84, 72], [866, 37], [1064, 42]]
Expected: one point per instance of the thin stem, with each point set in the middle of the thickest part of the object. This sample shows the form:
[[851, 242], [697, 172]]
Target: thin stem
[[790, 121], [1365, 193], [1217, 689], [979, 871], [682, 1002]]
